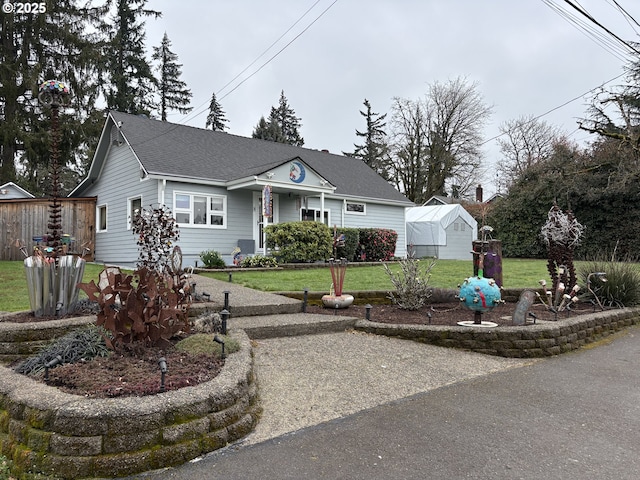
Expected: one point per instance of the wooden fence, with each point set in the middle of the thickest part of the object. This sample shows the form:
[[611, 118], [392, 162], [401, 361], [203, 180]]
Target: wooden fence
[[22, 221]]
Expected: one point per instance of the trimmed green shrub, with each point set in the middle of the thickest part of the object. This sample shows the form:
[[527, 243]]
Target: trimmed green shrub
[[212, 259], [259, 261], [378, 244], [622, 286], [298, 242], [350, 247]]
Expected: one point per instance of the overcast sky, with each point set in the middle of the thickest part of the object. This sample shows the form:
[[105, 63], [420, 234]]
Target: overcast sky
[[526, 58]]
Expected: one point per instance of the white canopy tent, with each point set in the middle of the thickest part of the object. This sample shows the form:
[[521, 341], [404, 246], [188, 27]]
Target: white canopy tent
[[442, 231]]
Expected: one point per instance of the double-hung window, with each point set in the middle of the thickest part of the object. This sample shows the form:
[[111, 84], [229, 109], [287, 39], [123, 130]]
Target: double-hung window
[[200, 210]]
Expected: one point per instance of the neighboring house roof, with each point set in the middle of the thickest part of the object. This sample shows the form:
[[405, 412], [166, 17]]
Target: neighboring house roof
[[427, 225], [187, 153], [10, 191], [437, 200], [494, 197]]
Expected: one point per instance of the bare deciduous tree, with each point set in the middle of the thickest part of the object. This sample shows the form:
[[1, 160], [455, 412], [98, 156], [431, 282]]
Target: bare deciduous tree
[[525, 142], [436, 141]]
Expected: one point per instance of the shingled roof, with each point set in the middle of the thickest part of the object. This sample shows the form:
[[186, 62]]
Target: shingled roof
[[181, 151]]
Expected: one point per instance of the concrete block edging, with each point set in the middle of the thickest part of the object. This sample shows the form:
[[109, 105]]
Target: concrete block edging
[[52, 432]]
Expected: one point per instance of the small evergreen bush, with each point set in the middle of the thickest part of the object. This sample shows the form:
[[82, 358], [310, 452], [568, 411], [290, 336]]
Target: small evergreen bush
[[259, 261], [300, 241], [212, 259], [411, 283], [622, 288], [350, 247]]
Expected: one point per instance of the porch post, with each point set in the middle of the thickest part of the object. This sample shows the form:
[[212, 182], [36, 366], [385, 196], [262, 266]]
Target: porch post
[[265, 223], [322, 207]]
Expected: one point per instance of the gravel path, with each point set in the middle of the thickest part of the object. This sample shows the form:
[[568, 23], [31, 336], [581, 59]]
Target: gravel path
[[311, 379]]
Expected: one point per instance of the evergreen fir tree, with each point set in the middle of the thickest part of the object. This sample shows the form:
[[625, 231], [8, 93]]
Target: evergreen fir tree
[[216, 119], [375, 150], [285, 117], [174, 94], [268, 131], [131, 83], [32, 50]]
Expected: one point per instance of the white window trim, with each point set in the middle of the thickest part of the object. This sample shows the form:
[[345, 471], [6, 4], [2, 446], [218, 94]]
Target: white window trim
[[315, 214], [99, 218], [348, 212], [222, 213], [130, 200]]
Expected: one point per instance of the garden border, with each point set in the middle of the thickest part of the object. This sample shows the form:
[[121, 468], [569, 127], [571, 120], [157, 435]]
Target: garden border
[[542, 339], [45, 430]]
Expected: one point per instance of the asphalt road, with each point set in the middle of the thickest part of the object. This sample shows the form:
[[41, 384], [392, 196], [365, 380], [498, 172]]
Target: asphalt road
[[575, 416]]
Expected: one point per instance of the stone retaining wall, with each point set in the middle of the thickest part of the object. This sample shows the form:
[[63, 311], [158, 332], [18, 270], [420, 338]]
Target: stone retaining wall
[[528, 341], [48, 431], [21, 340]]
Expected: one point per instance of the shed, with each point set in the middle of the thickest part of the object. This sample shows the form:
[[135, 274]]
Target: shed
[[442, 231]]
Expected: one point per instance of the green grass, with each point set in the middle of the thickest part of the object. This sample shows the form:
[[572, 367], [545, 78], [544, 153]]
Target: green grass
[[14, 295], [517, 273]]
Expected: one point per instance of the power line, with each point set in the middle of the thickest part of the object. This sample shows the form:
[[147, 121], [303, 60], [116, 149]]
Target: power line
[[558, 107], [194, 115]]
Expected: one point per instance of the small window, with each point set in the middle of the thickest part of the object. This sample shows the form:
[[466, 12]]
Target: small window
[[101, 215], [462, 227], [134, 209], [357, 208], [456, 226]]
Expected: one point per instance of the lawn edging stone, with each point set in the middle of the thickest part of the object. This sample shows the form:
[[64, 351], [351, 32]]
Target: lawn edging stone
[[526, 341]]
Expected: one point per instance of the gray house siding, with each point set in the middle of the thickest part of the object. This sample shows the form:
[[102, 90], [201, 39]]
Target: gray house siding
[[194, 239], [122, 169]]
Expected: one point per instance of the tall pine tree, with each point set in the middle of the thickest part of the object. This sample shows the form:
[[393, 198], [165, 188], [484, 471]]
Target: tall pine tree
[[54, 44], [131, 84], [216, 119], [285, 117], [174, 94], [375, 150]]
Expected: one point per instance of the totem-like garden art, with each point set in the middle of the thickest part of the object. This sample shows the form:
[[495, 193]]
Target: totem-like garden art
[[479, 293], [52, 277]]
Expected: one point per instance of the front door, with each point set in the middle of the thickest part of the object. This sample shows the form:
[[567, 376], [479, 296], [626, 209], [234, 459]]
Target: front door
[[259, 220]]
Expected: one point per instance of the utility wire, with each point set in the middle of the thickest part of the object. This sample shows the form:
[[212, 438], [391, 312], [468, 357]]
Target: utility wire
[[558, 107], [192, 115], [197, 114], [593, 20]]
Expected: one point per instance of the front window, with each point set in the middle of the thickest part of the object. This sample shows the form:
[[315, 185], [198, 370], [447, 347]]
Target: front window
[[313, 215], [200, 210]]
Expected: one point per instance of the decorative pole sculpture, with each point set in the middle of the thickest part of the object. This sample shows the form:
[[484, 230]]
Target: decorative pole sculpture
[[338, 268], [52, 278], [54, 94]]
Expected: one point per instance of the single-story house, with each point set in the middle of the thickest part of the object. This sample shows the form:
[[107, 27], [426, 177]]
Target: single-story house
[[442, 231], [11, 191], [215, 183]]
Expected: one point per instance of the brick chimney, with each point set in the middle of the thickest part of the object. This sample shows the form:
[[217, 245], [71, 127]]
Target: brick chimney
[[479, 193]]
